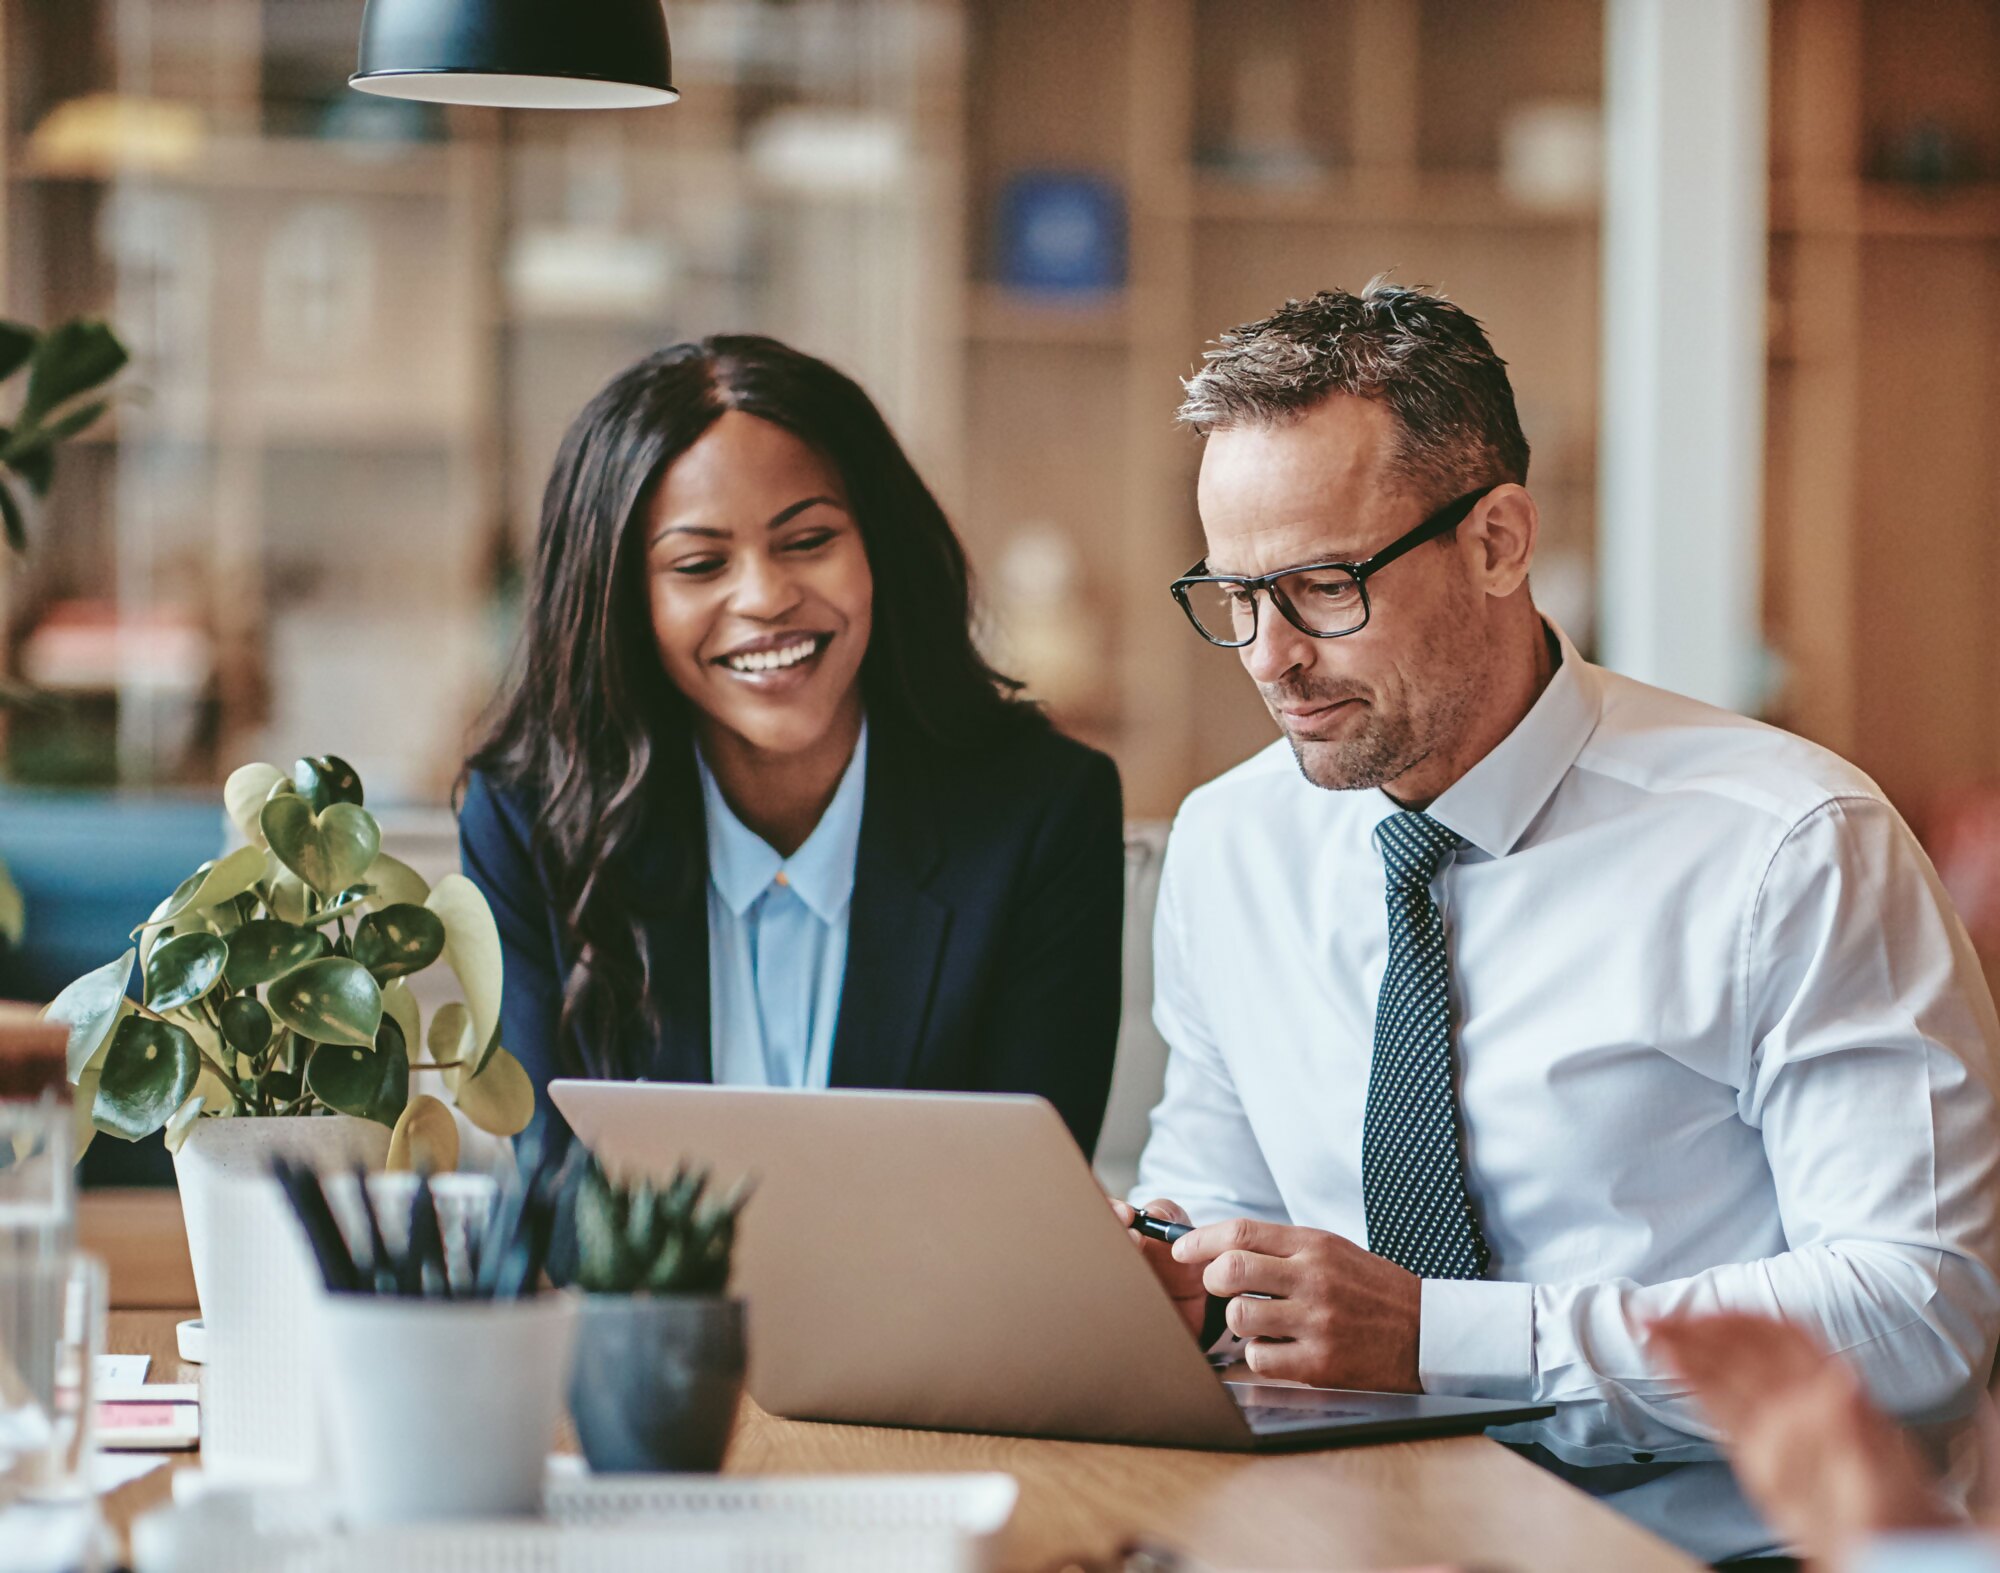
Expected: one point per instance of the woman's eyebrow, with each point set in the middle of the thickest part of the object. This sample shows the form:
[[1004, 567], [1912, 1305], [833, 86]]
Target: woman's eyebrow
[[786, 515], [781, 517]]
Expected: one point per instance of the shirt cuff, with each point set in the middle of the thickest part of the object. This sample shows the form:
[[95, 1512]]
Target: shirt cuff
[[1477, 1339]]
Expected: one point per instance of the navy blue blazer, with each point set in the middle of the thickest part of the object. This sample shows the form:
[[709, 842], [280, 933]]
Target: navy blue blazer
[[983, 941]]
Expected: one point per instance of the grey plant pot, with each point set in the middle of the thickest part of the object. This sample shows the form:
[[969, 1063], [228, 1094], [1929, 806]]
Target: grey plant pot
[[657, 1380]]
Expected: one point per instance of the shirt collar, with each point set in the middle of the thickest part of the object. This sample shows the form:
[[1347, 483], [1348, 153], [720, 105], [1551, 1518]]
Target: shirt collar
[[1494, 802], [742, 865]]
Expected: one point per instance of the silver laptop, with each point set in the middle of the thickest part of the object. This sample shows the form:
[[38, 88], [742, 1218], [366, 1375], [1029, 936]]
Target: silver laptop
[[948, 1261]]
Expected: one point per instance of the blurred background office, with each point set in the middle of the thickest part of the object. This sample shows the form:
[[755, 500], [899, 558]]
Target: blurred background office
[[1741, 256]]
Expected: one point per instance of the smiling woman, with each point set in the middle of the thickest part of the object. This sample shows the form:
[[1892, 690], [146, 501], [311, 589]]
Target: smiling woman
[[754, 809]]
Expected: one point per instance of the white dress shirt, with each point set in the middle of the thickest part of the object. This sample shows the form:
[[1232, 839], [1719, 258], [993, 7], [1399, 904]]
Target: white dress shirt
[[1721, 1041], [777, 937]]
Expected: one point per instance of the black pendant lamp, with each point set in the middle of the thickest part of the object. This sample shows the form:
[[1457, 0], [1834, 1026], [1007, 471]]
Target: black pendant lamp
[[518, 54]]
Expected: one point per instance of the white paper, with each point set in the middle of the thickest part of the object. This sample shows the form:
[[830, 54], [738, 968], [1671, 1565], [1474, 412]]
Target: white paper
[[121, 1370], [109, 1471]]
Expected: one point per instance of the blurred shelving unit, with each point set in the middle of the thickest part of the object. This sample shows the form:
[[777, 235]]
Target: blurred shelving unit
[[1264, 149], [1882, 556], [361, 328], [299, 482]]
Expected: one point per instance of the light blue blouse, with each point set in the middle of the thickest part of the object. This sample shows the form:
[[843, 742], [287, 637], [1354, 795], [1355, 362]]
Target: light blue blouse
[[777, 938]]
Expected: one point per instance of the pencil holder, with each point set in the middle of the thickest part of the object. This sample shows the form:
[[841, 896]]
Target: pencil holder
[[442, 1409]]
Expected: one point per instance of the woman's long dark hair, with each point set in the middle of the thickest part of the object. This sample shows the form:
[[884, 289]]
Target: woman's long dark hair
[[591, 731]]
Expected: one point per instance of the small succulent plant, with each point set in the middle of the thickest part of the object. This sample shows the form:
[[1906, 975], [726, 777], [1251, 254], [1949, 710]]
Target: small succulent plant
[[650, 1239]]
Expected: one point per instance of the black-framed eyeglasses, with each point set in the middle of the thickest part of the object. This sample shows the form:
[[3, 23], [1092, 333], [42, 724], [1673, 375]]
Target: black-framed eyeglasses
[[1324, 600]]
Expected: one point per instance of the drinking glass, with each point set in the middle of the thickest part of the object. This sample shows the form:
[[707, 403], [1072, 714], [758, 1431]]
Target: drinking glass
[[37, 1184], [51, 1334]]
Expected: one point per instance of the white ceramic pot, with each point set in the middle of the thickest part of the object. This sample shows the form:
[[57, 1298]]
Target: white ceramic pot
[[255, 1279], [221, 1241], [441, 1409]]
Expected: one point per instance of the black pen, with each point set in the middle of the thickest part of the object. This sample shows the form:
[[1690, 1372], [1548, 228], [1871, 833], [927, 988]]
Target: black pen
[[1159, 1228]]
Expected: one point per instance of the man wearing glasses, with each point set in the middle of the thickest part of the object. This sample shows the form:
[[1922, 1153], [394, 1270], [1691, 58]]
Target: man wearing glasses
[[1513, 1004]]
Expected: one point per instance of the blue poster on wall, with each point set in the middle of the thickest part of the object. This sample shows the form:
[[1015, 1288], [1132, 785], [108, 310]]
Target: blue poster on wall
[[1061, 233]]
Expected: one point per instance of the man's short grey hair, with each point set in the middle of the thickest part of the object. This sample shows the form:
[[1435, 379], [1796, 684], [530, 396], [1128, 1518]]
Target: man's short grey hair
[[1412, 350]]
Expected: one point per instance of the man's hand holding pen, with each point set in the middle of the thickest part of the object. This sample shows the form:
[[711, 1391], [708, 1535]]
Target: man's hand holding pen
[[1181, 1280], [1311, 1306]]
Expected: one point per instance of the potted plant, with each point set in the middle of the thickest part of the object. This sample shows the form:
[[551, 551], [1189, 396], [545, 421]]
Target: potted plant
[[660, 1351], [64, 365], [276, 1014]]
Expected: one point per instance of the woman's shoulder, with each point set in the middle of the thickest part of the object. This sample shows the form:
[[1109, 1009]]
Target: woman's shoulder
[[495, 815], [1024, 763], [486, 795]]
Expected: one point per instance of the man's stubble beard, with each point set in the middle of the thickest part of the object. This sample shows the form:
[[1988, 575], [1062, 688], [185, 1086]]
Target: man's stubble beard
[[1390, 744]]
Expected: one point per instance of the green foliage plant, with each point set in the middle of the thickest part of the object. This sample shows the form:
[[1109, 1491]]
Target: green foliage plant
[[275, 983], [648, 1239], [64, 365]]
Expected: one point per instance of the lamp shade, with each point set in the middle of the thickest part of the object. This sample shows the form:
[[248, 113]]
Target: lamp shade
[[518, 54]]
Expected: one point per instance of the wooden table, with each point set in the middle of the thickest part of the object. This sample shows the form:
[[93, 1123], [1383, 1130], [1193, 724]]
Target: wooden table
[[1462, 1501]]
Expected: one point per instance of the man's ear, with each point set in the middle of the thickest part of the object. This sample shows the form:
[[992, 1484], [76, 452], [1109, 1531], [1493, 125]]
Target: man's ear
[[1498, 538]]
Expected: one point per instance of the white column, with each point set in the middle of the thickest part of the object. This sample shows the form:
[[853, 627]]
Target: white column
[[1680, 480]]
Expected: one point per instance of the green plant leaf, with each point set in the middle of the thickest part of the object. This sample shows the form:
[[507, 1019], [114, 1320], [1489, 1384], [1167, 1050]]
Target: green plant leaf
[[400, 1006], [210, 885], [72, 358], [348, 900], [181, 1121], [393, 883], [158, 927], [450, 1041], [17, 343], [77, 421], [34, 462], [13, 910], [246, 1024], [329, 850], [398, 940], [325, 779], [425, 1139], [148, 1073], [82, 1128], [90, 1008], [472, 951], [265, 949], [182, 970], [243, 794], [605, 1261], [332, 1000], [373, 1083], [500, 1099], [217, 1096], [286, 895], [11, 516]]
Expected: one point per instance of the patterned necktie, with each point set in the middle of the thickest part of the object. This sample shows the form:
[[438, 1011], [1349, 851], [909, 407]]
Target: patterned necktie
[[1412, 1169]]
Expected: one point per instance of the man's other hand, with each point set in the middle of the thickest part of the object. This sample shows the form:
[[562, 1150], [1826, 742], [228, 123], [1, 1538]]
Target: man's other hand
[[1181, 1281], [1332, 1316]]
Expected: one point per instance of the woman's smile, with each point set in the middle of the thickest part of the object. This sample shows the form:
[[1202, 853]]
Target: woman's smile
[[776, 663]]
